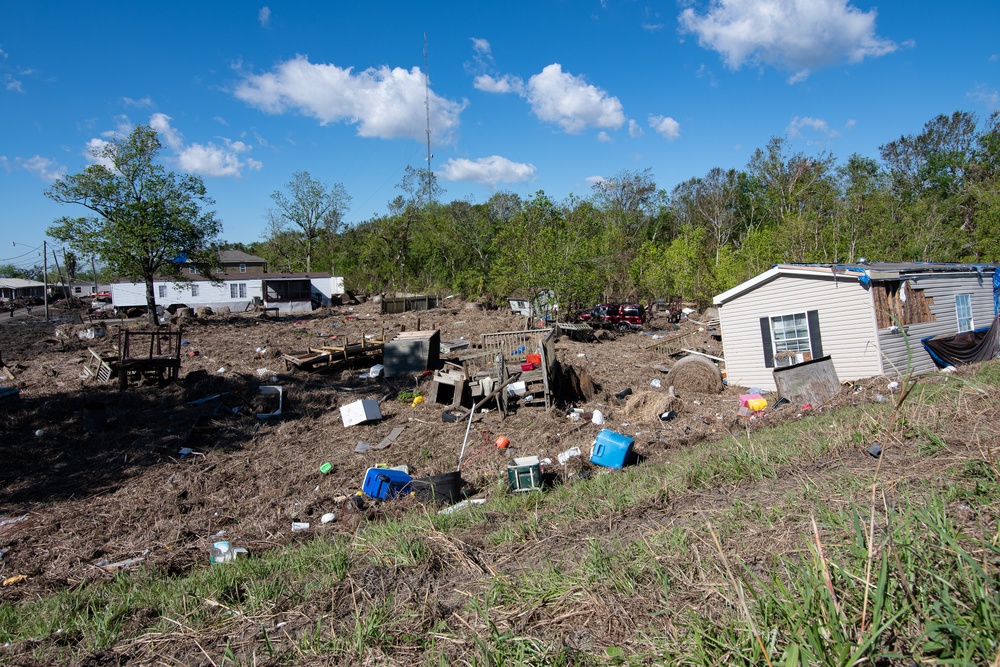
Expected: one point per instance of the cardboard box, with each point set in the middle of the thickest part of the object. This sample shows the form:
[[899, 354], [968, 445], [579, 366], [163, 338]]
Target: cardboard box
[[359, 412]]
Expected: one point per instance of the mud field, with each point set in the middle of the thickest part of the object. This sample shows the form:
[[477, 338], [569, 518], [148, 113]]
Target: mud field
[[77, 506]]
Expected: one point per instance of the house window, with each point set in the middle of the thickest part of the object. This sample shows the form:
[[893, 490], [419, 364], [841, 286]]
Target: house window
[[237, 290], [194, 290], [243, 267], [162, 290], [791, 339], [963, 308], [193, 270]]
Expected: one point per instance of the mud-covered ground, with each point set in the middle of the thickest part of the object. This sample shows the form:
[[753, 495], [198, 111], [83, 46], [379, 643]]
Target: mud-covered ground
[[75, 505]]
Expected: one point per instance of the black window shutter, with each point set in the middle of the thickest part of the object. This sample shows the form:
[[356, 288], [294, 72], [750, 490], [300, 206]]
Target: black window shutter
[[815, 340], [765, 338]]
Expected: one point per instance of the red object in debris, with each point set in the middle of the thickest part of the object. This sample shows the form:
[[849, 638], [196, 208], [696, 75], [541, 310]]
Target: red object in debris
[[502, 442], [527, 366], [807, 406], [535, 359], [193, 353]]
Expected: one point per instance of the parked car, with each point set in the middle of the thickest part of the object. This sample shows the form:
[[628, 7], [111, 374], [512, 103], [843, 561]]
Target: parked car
[[620, 316]]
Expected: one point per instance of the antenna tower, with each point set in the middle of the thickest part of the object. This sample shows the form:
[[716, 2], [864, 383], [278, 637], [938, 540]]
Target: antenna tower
[[427, 108]]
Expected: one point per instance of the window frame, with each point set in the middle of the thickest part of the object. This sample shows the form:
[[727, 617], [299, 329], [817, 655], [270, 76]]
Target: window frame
[[243, 267], [161, 290], [771, 344], [959, 317]]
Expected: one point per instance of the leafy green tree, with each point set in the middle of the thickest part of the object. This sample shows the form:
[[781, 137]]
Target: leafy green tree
[[143, 215], [311, 210]]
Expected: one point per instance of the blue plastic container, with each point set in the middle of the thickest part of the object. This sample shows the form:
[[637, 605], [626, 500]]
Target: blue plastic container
[[383, 483], [611, 449]]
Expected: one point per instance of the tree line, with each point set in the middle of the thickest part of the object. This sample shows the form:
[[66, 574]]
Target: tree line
[[930, 196]]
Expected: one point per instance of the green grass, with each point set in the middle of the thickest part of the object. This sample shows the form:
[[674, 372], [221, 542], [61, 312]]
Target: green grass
[[626, 567]]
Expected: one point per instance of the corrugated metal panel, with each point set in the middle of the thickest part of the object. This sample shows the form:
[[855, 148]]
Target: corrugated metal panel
[[943, 290], [847, 324]]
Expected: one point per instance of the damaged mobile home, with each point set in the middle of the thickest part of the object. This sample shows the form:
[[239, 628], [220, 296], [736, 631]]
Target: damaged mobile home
[[869, 318]]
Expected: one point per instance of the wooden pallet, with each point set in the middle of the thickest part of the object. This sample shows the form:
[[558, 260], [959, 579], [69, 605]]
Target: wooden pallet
[[336, 356]]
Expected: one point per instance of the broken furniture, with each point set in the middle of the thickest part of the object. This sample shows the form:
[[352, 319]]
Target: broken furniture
[[101, 365], [359, 412], [336, 355], [579, 331], [412, 352], [508, 352], [149, 354]]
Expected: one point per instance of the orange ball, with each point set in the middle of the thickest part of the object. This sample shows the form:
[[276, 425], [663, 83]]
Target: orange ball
[[502, 442]]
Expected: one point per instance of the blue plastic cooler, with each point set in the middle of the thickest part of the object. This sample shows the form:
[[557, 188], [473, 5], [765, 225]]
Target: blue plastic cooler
[[383, 483], [611, 449]]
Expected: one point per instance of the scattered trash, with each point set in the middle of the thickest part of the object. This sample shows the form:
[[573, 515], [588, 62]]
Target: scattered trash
[[384, 483], [329, 517], [570, 453], [892, 385], [222, 552], [326, 468], [627, 391], [611, 449], [879, 398], [361, 447], [524, 474], [391, 438], [271, 390], [668, 416], [16, 579], [376, 371], [655, 383], [299, 526], [359, 412], [502, 442], [875, 450], [221, 370], [120, 565], [185, 452], [417, 400], [462, 505], [598, 417], [39, 433]]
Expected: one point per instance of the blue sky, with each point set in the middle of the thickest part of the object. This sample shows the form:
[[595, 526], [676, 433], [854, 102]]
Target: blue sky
[[524, 96]]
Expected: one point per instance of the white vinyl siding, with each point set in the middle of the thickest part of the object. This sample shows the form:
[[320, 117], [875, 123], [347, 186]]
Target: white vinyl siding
[[844, 312], [963, 309]]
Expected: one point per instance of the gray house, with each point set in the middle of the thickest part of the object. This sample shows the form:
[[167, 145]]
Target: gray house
[[863, 316]]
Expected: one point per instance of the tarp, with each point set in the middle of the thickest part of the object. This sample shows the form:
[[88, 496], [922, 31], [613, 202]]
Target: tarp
[[965, 348]]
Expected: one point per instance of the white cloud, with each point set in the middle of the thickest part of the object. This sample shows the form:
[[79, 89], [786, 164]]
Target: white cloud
[[264, 16], [603, 137], [817, 125], [851, 122], [795, 35], [210, 159], [594, 180], [666, 126], [140, 103], [4, 163], [482, 47], [12, 84], [488, 170], [45, 168], [384, 103], [572, 103], [634, 129], [505, 84], [988, 98]]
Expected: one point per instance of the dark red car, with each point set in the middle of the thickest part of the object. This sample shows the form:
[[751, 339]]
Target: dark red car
[[620, 316]]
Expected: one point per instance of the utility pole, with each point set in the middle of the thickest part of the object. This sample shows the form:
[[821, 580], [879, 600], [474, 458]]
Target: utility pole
[[45, 276]]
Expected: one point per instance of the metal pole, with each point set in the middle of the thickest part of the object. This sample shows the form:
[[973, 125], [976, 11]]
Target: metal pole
[[45, 276]]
